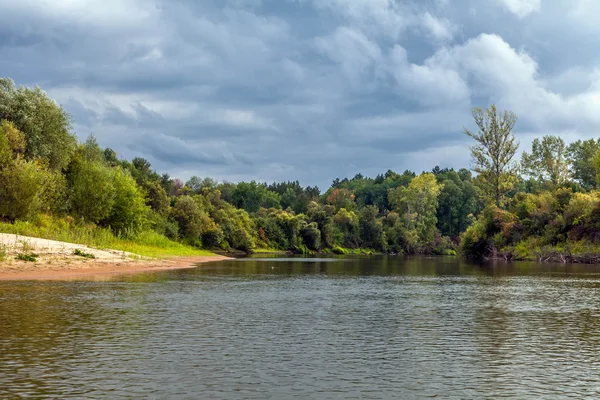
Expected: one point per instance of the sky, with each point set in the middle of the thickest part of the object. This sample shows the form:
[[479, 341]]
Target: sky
[[308, 90]]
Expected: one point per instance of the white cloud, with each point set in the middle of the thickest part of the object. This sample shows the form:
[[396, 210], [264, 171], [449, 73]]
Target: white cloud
[[521, 8], [439, 28], [430, 83], [108, 13], [377, 16], [351, 49]]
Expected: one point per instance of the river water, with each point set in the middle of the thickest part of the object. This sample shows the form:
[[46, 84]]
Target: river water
[[281, 328]]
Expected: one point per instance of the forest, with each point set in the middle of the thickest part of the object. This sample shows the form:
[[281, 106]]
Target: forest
[[542, 204]]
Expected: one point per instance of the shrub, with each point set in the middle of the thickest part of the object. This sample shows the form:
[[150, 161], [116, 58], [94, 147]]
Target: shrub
[[81, 253], [22, 189], [129, 211], [92, 191], [27, 257]]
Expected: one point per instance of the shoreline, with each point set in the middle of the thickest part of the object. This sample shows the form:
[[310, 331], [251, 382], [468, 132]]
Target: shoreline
[[69, 269]]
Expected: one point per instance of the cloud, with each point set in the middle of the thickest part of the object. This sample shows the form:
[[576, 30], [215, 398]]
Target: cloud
[[439, 29], [305, 89], [384, 17], [351, 49], [521, 8]]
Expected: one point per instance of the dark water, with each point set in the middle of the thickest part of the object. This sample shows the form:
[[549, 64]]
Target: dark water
[[367, 328]]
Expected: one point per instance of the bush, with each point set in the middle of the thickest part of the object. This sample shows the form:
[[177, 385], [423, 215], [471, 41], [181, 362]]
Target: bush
[[81, 253], [92, 191], [188, 216], [311, 236], [27, 257], [129, 211], [22, 189]]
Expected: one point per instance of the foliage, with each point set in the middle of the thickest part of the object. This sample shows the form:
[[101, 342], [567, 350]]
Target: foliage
[[548, 160], [492, 155], [145, 243], [91, 191], [52, 187], [22, 189], [581, 154], [81, 253], [129, 211], [418, 203], [26, 257], [189, 218], [46, 126]]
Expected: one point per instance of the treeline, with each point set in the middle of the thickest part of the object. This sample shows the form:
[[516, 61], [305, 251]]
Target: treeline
[[545, 204]]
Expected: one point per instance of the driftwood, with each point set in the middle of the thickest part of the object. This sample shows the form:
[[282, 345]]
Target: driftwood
[[545, 257], [557, 257]]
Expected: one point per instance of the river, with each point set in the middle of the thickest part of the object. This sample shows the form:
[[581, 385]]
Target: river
[[291, 328]]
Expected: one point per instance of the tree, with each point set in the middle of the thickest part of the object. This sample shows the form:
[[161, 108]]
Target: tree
[[22, 187], [129, 210], [189, 217], [46, 125], [91, 191], [548, 160], [457, 202], [371, 229], [12, 142], [492, 155], [157, 198], [251, 196], [311, 235], [418, 202], [581, 157]]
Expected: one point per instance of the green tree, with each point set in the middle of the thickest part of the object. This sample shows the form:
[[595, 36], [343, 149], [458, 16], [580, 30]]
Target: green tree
[[457, 203], [418, 203], [46, 125], [251, 196], [157, 198], [548, 160], [311, 235], [581, 156], [91, 191], [371, 229], [492, 155], [22, 188], [12, 142], [346, 228], [129, 211], [189, 217]]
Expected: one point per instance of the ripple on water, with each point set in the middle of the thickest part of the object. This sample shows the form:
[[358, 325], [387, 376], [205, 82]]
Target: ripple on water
[[235, 331]]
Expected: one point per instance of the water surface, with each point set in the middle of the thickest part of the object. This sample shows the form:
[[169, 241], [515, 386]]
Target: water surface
[[371, 327]]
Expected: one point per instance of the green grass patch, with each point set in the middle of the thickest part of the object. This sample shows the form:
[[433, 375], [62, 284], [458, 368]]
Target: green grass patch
[[146, 243], [27, 257], [81, 253], [268, 251]]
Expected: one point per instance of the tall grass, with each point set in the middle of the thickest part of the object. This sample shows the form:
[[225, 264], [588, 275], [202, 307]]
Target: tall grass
[[146, 243]]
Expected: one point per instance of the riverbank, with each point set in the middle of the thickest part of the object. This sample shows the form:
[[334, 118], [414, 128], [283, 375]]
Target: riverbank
[[25, 258]]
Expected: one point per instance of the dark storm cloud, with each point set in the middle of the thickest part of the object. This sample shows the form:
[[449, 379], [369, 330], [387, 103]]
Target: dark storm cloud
[[305, 89]]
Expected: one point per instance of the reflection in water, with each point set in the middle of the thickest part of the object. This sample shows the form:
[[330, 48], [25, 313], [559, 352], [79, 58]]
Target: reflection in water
[[370, 327]]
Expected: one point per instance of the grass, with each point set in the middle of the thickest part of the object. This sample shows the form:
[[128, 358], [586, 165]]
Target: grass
[[268, 251], [146, 243], [27, 257], [81, 253], [3, 252]]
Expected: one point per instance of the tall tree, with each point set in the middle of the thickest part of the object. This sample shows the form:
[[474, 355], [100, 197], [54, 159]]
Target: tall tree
[[45, 124], [547, 161], [582, 165], [419, 203], [492, 155]]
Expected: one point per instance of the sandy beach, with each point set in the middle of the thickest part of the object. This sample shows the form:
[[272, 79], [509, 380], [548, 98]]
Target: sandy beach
[[56, 260]]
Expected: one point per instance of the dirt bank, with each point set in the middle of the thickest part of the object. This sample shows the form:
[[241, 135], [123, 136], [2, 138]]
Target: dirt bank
[[56, 260]]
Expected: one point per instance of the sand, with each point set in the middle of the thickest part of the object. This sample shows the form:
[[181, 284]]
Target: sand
[[55, 260]]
